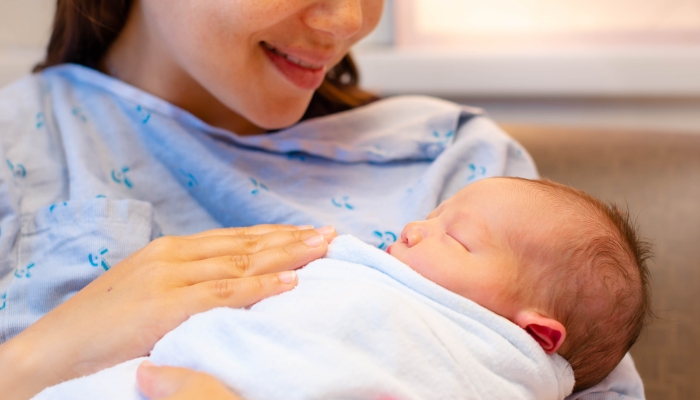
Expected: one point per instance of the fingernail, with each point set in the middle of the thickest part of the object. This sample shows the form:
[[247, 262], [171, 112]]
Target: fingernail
[[314, 241], [287, 276], [326, 230]]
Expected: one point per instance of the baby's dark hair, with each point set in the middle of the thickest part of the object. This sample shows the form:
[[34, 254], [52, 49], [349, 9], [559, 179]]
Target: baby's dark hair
[[599, 279]]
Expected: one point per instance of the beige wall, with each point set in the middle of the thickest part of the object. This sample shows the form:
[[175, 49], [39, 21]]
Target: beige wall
[[24, 30], [25, 22]]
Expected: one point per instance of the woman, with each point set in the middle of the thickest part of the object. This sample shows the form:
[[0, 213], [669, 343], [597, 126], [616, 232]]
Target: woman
[[101, 163]]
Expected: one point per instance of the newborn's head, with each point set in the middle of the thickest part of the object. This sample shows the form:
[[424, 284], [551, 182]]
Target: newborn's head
[[562, 265]]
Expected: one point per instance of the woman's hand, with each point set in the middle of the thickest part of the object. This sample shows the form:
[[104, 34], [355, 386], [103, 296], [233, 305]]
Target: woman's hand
[[123, 313], [169, 383]]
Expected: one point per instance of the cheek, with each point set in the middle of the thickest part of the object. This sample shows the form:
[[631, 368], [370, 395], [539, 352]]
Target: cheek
[[371, 14], [201, 37], [439, 270], [218, 45], [436, 263], [457, 270]]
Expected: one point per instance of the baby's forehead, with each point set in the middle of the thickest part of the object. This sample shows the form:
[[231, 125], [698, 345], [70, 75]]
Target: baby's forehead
[[551, 215], [522, 207], [552, 200]]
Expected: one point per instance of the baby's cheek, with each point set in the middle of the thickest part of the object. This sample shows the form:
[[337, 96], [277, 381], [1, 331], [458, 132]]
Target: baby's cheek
[[428, 266]]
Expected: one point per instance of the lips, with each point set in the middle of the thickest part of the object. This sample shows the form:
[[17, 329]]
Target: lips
[[304, 74]]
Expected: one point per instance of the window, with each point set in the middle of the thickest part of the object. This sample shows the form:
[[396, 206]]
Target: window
[[509, 23], [537, 48]]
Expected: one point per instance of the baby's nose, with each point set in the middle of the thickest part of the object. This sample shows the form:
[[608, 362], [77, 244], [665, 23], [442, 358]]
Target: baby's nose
[[411, 235]]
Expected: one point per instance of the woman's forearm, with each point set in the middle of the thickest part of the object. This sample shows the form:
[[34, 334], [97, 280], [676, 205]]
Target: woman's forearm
[[24, 372]]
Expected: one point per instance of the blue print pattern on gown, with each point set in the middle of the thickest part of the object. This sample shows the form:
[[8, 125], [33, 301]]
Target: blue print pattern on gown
[[119, 176], [476, 172], [143, 114], [438, 143], [3, 301], [387, 238], [444, 138], [189, 178], [78, 113], [342, 202], [97, 259], [24, 272], [257, 187], [53, 206], [40, 120], [18, 170]]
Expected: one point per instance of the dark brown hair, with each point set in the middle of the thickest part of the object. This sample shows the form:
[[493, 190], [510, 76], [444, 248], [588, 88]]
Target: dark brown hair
[[83, 31]]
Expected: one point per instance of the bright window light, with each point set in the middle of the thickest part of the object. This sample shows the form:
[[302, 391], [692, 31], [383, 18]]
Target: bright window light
[[515, 22]]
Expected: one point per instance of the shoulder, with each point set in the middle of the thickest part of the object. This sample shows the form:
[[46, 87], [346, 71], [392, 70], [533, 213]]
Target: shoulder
[[28, 108], [32, 144], [22, 118], [26, 104], [19, 99], [26, 117]]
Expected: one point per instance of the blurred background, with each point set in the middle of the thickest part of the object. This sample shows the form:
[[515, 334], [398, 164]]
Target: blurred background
[[601, 63], [605, 94]]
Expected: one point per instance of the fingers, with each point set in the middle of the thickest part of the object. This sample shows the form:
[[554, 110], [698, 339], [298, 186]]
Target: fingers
[[275, 259], [224, 245], [290, 256], [179, 384], [249, 230], [236, 293]]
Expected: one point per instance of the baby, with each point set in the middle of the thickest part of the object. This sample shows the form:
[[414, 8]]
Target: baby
[[555, 261], [520, 260]]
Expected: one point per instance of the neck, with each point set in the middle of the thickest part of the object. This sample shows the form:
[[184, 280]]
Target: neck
[[137, 58]]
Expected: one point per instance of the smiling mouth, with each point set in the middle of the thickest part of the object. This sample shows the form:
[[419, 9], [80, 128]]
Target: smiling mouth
[[291, 59]]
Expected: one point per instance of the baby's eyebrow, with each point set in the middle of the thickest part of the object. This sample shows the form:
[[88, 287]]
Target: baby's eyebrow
[[437, 209], [432, 213], [475, 222]]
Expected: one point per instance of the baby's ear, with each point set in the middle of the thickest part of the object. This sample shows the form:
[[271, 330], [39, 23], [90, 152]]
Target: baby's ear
[[548, 332]]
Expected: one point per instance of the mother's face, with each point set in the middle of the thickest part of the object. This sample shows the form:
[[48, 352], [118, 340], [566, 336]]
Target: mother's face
[[262, 59]]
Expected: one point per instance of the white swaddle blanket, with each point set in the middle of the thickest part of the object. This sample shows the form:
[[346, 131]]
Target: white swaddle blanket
[[360, 325]]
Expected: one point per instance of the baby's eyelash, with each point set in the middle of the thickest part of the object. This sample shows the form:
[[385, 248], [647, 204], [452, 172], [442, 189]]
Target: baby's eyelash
[[463, 245]]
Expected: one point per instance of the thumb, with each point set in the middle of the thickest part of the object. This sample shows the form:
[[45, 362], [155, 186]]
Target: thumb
[[180, 384], [158, 382]]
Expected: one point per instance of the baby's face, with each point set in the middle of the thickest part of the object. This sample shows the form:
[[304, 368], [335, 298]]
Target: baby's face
[[463, 244]]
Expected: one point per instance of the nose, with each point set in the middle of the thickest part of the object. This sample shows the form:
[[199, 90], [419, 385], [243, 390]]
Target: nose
[[412, 234], [340, 18]]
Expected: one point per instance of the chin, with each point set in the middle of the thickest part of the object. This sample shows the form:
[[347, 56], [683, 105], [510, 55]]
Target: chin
[[280, 115]]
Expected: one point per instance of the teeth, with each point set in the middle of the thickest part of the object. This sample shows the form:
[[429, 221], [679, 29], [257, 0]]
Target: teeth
[[291, 59], [299, 62]]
